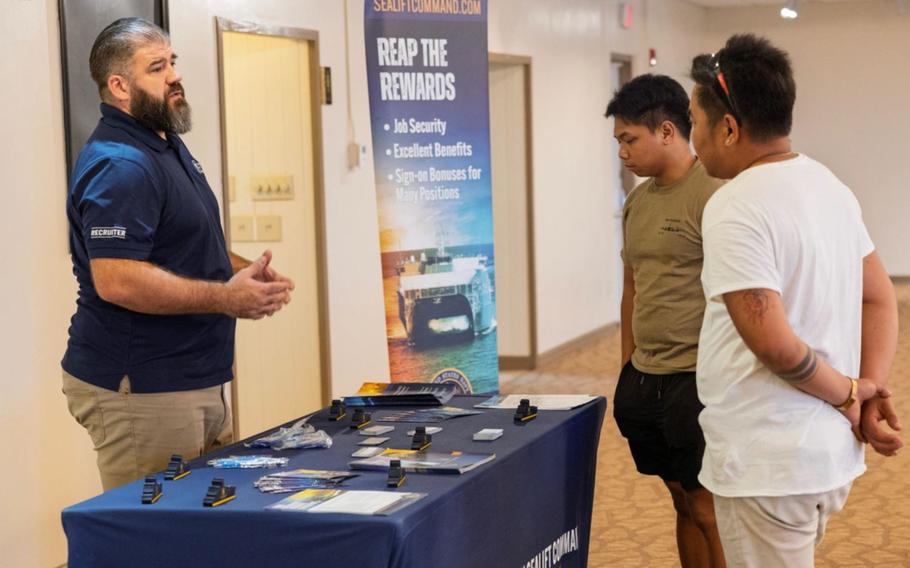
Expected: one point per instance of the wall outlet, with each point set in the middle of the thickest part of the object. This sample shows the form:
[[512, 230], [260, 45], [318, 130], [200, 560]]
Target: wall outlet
[[268, 228], [241, 228]]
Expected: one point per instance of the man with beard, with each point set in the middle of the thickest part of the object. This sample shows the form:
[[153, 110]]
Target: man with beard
[[152, 341]]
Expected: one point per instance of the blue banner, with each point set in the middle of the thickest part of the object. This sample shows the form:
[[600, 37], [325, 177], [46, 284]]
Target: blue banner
[[429, 104]]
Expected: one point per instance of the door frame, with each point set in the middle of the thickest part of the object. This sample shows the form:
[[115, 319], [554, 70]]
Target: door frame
[[316, 80], [508, 363], [625, 75]]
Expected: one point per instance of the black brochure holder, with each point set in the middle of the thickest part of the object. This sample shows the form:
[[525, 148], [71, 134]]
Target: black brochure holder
[[151, 490], [360, 419], [525, 411], [421, 439], [176, 468], [396, 474], [218, 493], [337, 411]]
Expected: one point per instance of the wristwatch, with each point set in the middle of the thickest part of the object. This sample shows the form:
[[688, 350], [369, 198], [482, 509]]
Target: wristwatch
[[854, 384]]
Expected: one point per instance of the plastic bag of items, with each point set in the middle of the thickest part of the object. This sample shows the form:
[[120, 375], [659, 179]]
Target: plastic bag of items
[[300, 435]]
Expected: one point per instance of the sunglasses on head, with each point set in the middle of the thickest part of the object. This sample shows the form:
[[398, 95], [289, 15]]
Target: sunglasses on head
[[717, 72]]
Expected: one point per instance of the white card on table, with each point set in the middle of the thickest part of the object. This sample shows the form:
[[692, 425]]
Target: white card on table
[[487, 435], [367, 452], [376, 430]]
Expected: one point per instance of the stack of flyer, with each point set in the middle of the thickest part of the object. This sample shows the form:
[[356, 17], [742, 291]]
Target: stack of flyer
[[343, 501]]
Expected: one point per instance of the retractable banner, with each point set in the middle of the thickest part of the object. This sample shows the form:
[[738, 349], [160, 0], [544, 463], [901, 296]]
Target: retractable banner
[[429, 104]]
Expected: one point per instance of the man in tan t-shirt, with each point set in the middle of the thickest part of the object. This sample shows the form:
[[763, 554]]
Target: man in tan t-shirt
[[656, 404]]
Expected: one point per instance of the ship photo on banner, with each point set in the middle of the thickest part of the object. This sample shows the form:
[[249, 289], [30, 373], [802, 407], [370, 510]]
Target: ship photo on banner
[[429, 106]]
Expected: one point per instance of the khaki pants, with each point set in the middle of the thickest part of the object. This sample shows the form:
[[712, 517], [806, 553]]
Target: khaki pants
[[135, 434], [775, 531]]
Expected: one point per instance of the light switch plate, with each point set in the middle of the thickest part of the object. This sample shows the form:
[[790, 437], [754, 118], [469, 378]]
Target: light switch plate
[[241, 228], [272, 188], [268, 228]]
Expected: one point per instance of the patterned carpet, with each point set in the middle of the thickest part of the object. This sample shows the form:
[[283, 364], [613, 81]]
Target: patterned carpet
[[633, 517]]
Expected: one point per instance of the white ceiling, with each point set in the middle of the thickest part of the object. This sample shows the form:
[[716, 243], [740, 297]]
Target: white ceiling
[[734, 3]]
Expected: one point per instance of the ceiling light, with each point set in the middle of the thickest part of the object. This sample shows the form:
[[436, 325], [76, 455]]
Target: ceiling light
[[791, 10]]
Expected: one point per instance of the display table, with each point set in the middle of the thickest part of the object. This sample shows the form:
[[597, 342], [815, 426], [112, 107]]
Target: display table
[[530, 507]]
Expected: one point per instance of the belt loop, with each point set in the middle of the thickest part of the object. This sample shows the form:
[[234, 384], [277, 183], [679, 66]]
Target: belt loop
[[124, 385]]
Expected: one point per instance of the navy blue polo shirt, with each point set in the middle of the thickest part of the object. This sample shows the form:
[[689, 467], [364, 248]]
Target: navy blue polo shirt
[[134, 195]]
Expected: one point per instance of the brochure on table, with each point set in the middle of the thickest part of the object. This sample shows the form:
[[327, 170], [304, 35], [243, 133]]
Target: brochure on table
[[541, 401]]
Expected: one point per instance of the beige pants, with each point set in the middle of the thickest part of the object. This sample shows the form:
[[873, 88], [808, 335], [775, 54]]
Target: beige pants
[[135, 434], [775, 531]]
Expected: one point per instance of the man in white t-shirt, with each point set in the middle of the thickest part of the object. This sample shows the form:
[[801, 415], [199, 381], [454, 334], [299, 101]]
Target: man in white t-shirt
[[798, 305]]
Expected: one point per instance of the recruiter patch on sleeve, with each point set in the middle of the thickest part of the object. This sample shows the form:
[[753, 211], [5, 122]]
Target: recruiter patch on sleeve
[[107, 233]]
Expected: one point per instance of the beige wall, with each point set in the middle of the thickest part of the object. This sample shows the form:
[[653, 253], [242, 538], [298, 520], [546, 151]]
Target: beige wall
[[852, 65], [49, 461]]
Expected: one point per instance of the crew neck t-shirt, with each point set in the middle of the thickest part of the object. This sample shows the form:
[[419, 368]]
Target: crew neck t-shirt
[[791, 227], [662, 244]]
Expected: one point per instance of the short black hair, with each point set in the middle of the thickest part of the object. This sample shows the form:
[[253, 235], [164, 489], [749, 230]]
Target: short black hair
[[651, 99], [759, 78], [115, 45]]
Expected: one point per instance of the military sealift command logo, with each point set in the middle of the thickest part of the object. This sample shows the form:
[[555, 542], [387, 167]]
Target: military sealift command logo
[[456, 377]]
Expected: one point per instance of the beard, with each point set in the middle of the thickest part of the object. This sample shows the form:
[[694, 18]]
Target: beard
[[158, 115]]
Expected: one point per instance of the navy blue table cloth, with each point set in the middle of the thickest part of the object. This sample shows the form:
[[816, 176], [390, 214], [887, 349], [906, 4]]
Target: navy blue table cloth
[[529, 508]]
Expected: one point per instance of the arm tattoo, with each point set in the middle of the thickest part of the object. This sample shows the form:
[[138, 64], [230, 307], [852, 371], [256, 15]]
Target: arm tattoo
[[756, 302], [804, 370]]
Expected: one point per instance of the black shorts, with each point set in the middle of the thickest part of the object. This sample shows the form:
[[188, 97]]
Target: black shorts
[[658, 414]]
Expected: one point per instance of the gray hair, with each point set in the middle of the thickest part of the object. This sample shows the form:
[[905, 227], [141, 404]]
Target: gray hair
[[115, 46]]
